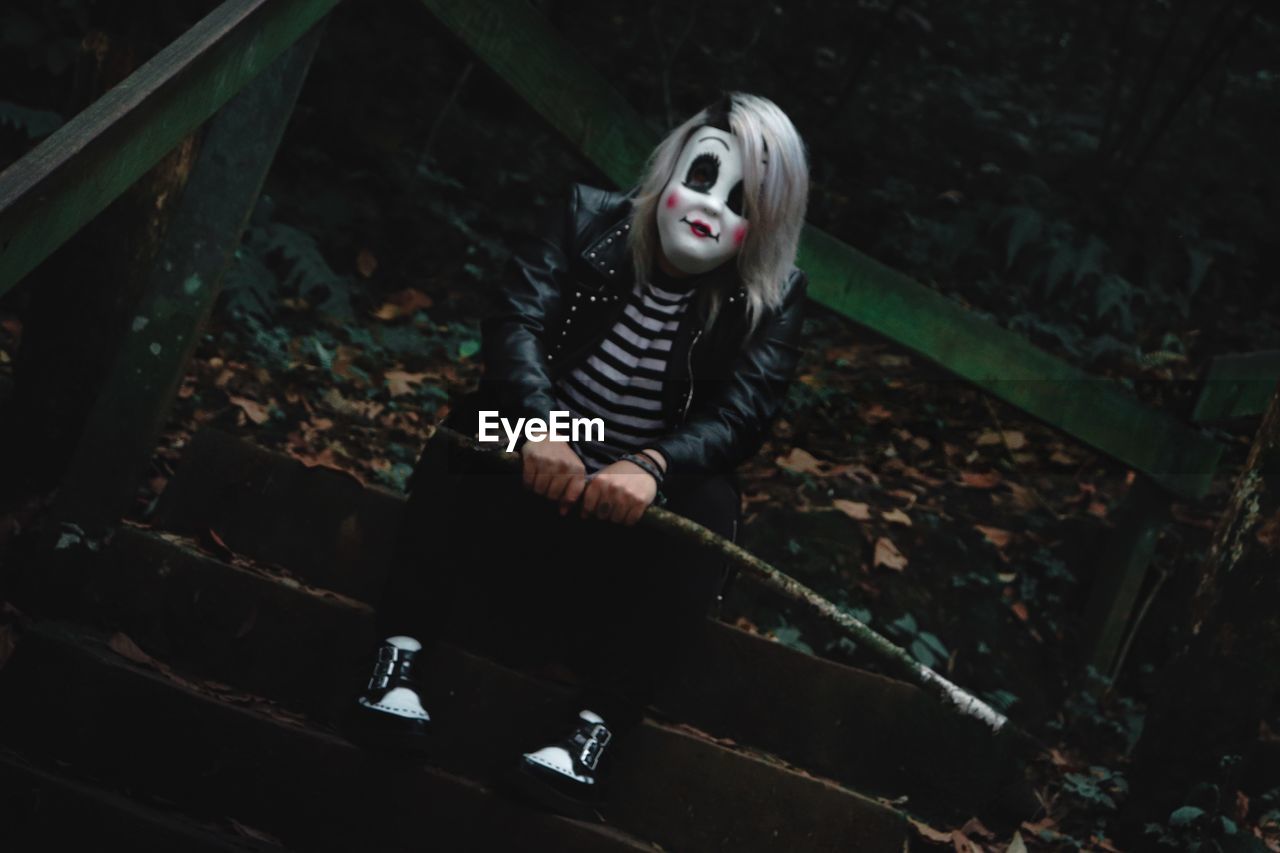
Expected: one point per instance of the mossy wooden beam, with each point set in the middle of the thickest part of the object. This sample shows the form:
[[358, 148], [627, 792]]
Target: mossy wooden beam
[[1092, 409], [1237, 385], [46, 196], [517, 42], [235, 151]]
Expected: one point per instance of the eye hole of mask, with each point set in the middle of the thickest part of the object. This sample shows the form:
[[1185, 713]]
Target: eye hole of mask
[[703, 172], [735, 199]]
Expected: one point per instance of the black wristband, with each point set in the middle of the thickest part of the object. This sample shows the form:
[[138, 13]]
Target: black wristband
[[649, 466]]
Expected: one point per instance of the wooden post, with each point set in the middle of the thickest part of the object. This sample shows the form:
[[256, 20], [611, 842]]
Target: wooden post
[[1121, 571], [236, 151], [1212, 698], [1237, 385]]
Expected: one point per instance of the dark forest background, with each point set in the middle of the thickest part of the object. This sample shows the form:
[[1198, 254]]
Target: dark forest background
[[1097, 176]]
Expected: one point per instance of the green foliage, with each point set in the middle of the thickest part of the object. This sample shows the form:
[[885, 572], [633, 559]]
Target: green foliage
[[1096, 716], [279, 261], [1205, 822], [1100, 787], [301, 268], [45, 34], [789, 636], [924, 646], [34, 124]]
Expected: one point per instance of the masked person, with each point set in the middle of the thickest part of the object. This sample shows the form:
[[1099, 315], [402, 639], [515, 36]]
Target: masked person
[[673, 314]]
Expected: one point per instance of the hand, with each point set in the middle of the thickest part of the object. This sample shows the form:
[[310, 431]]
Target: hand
[[553, 470], [619, 493]]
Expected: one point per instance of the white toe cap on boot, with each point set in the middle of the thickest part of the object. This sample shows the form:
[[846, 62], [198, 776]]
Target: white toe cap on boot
[[400, 701], [557, 758]]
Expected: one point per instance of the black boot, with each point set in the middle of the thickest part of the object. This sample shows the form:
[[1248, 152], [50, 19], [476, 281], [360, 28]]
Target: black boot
[[389, 716], [568, 775]]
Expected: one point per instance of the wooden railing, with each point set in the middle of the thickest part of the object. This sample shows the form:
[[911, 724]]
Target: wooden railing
[[241, 66], [59, 186], [49, 194]]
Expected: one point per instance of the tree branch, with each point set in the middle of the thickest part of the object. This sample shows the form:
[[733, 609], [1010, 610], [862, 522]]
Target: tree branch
[[896, 658]]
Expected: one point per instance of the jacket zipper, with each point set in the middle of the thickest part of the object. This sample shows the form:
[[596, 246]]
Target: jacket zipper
[[688, 398]]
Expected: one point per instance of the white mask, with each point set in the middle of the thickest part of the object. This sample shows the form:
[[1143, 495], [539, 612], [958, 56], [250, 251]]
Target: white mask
[[700, 215]]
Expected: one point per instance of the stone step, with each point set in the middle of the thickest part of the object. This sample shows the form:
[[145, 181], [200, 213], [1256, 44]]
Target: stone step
[[44, 808], [870, 732], [68, 695]]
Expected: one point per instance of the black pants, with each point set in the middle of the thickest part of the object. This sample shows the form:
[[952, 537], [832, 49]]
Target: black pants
[[477, 553]]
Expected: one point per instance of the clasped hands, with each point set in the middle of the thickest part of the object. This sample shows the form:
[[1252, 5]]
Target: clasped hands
[[620, 492]]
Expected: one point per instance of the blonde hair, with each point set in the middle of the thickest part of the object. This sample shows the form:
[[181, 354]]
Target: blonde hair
[[775, 197]]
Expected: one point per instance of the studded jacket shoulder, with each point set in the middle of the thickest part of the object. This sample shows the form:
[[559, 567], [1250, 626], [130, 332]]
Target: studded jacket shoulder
[[561, 293]]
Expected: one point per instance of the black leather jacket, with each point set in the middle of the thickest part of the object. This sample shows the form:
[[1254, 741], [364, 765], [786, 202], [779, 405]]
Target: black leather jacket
[[561, 295]]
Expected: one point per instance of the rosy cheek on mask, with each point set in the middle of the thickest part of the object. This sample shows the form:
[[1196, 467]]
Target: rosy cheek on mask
[[739, 235], [671, 201]]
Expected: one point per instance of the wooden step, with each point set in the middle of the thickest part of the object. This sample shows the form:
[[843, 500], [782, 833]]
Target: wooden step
[[317, 522], [670, 783], [44, 808], [873, 733], [66, 694]]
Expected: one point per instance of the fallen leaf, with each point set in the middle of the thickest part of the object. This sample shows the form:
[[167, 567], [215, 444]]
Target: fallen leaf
[[1061, 457], [1011, 438], [980, 480], [401, 382], [211, 541], [896, 516], [888, 555], [874, 414], [123, 645], [1098, 508], [1046, 824], [253, 410], [845, 353], [1024, 499], [1019, 609], [995, 535], [403, 303], [921, 477], [862, 474], [856, 511], [802, 461]]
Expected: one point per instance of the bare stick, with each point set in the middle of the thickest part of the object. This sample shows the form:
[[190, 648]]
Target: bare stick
[[898, 659]]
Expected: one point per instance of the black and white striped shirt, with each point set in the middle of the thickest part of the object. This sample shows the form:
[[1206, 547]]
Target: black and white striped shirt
[[621, 380]]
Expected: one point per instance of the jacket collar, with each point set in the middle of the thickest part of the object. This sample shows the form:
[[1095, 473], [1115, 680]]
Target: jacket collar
[[607, 255]]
